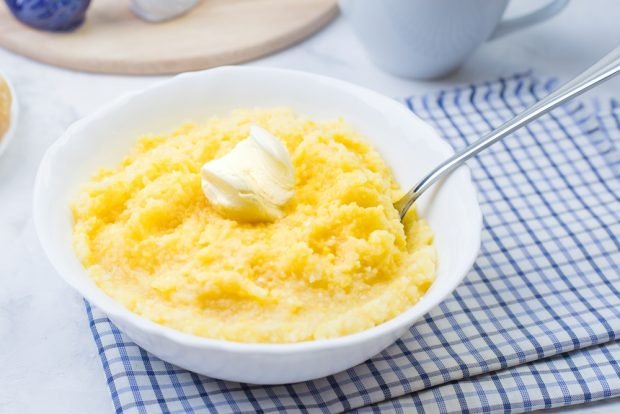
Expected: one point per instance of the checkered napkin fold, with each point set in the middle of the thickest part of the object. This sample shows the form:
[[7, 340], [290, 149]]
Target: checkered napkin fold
[[534, 325]]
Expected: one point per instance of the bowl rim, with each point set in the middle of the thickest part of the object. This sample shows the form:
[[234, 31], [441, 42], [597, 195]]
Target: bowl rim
[[8, 136], [117, 312]]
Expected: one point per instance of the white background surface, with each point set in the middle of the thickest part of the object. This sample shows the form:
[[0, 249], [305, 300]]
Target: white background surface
[[48, 360]]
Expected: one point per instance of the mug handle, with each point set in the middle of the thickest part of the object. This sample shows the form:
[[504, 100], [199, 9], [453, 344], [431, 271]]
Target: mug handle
[[521, 22]]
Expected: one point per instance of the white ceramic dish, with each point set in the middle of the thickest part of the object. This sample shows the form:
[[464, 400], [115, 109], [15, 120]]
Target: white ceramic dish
[[409, 145], [10, 133]]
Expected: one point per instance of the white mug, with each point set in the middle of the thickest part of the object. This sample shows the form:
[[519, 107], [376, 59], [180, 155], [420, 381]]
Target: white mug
[[426, 39]]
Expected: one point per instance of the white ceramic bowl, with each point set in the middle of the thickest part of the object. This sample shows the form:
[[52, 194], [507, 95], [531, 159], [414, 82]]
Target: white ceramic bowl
[[10, 133], [410, 146]]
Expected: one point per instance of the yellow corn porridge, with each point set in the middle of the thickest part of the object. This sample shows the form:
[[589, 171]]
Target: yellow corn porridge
[[5, 107], [339, 260]]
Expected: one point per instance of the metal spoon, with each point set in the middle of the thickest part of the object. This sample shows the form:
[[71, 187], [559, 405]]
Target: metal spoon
[[604, 69]]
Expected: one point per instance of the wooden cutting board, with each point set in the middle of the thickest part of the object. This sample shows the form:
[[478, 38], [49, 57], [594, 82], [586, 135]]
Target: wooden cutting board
[[216, 32]]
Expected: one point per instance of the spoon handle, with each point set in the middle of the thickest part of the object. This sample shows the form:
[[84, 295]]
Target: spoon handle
[[601, 71]]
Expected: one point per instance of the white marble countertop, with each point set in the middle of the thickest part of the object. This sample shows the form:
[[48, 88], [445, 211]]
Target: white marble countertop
[[48, 360]]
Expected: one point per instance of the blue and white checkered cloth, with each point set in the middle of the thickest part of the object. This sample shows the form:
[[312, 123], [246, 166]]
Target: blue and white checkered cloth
[[534, 325]]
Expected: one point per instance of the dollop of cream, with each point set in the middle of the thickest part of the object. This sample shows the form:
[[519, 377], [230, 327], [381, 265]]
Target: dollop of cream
[[253, 181]]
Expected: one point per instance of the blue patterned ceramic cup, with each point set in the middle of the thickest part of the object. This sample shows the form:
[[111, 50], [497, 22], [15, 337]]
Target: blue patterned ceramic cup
[[51, 15]]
